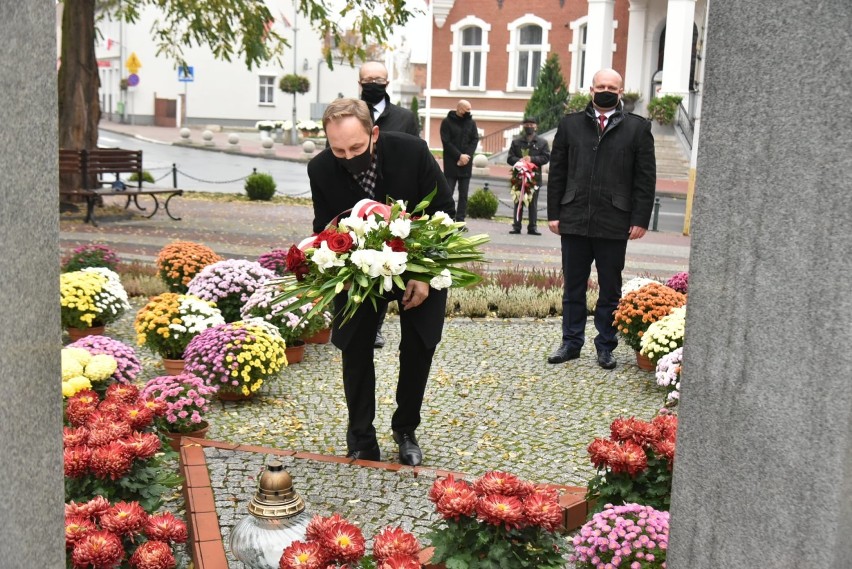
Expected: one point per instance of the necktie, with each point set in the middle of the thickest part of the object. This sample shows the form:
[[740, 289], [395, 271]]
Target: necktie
[[602, 119]]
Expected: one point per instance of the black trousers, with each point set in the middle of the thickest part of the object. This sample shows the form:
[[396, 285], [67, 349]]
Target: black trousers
[[532, 213], [578, 253], [461, 204]]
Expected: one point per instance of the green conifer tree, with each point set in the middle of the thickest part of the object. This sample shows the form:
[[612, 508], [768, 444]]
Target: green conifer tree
[[548, 99]]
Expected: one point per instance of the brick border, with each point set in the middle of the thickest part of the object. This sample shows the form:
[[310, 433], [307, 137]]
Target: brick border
[[205, 538]]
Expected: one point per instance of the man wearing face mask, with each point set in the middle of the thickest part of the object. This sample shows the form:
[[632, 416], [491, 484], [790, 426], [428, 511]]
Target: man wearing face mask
[[600, 194], [359, 163], [459, 137], [529, 147], [373, 79]]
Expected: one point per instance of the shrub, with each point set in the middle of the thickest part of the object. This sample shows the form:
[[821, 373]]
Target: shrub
[[294, 84], [90, 255], [260, 187], [663, 109], [146, 177], [577, 102], [482, 204]]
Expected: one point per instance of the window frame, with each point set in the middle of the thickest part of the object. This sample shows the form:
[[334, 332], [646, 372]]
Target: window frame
[[459, 50], [513, 48], [270, 90]]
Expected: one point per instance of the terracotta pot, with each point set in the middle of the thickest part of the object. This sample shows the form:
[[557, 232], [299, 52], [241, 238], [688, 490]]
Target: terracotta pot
[[232, 395], [173, 367], [77, 333], [321, 337], [296, 352], [645, 363], [174, 438]]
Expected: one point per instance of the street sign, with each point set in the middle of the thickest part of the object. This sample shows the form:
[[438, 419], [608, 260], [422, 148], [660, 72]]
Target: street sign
[[132, 80], [186, 74], [133, 64]]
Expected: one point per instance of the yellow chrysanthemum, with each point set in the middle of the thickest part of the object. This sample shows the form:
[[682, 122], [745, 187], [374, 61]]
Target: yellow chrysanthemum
[[101, 367], [74, 385]]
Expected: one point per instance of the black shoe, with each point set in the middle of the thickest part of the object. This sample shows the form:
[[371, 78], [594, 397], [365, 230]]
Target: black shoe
[[372, 453], [514, 231], [533, 232], [409, 451], [606, 360], [380, 340], [563, 353]]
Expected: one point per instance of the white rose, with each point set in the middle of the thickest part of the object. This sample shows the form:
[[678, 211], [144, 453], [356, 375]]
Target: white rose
[[400, 228], [442, 280]]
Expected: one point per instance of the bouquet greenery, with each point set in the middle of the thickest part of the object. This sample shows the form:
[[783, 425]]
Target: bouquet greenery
[[375, 248], [169, 321], [664, 335], [91, 297]]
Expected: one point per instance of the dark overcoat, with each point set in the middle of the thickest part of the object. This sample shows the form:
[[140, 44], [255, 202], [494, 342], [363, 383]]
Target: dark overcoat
[[458, 136], [536, 148], [397, 119]]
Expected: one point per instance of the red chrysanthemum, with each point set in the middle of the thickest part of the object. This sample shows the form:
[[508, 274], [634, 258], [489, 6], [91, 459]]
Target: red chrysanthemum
[[76, 528], [74, 436], [344, 542], [501, 510], [667, 425], [141, 445], [166, 527], [457, 501], [602, 452], [124, 518], [301, 555], [394, 541], [110, 461], [76, 461], [111, 407], [159, 408], [632, 429], [78, 410], [665, 449], [103, 431], [318, 526], [542, 509], [400, 561], [126, 392], [91, 509], [441, 485], [153, 555], [99, 550], [137, 415], [629, 458], [496, 482]]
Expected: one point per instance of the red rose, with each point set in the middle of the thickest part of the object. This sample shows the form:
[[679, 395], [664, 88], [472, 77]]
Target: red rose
[[325, 235], [340, 242], [397, 245], [297, 263]]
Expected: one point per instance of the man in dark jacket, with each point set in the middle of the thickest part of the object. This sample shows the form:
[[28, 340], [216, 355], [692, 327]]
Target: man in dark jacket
[[359, 163], [529, 147], [459, 137], [600, 193]]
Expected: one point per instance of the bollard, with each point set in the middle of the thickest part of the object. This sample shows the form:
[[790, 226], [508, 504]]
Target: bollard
[[174, 175], [656, 214], [486, 188]]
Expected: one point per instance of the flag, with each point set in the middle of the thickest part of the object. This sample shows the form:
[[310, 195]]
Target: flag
[[284, 20], [109, 43]]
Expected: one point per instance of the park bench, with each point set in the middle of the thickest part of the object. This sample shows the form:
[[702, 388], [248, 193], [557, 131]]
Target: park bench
[[95, 166]]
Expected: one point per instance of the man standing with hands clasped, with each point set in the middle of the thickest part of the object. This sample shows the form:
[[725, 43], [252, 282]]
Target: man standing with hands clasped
[[529, 147], [459, 136], [600, 193]]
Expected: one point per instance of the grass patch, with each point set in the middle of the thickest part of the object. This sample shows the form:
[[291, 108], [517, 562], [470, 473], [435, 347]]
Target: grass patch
[[228, 198]]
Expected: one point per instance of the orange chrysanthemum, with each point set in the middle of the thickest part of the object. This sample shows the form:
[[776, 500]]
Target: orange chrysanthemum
[[501, 510], [542, 509], [166, 527], [640, 308], [76, 461], [76, 528], [602, 452], [629, 458], [344, 542], [400, 561], [457, 502], [72, 437], [178, 262], [110, 461], [141, 445], [496, 482], [318, 526], [636, 430], [124, 518], [125, 392]]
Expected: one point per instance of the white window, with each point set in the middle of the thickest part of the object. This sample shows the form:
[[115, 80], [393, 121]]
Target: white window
[[470, 54], [528, 49], [267, 90], [578, 55]]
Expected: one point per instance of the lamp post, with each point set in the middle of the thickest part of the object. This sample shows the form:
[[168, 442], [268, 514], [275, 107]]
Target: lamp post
[[277, 518]]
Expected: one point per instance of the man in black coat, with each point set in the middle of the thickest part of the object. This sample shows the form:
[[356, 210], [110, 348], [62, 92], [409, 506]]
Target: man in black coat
[[459, 137], [600, 193], [529, 147], [359, 163]]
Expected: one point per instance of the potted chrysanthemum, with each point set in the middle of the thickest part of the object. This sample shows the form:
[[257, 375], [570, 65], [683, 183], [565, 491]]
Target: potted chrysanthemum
[[90, 299], [237, 357], [664, 336], [169, 321], [83, 370], [291, 324], [178, 262], [274, 260], [679, 282], [668, 375], [638, 309], [630, 535], [128, 365], [229, 284], [186, 398]]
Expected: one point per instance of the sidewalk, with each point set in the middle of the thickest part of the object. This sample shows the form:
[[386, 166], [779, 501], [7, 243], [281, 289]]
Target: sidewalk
[[250, 145]]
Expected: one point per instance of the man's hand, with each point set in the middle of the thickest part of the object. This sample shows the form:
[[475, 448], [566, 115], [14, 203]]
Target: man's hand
[[553, 225], [636, 232], [415, 293], [526, 158], [464, 159]]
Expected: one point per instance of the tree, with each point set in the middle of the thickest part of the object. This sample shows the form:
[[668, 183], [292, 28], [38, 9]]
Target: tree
[[230, 28], [548, 99]]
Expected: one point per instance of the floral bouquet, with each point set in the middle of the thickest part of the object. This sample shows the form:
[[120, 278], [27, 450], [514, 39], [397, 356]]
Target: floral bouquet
[[375, 248], [497, 518], [631, 535], [110, 451], [91, 297], [178, 262], [236, 357], [275, 261], [635, 463], [81, 370], [668, 375], [639, 309], [664, 335], [679, 282], [523, 184], [185, 398], [127, 364], [335, 542], [292, 325], [101, 534], [90, 255], [169, 321], [229, 284]]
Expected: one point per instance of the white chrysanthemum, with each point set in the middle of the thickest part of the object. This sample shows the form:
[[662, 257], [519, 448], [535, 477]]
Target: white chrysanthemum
[[71, 363], [324, 258], [635, 284], [442, 280], [400, 228], [100, 367], [118, 300]]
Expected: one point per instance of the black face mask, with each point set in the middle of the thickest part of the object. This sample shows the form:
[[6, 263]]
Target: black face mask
[[606, 99], [357, 165], [529, 129], [373, 93]]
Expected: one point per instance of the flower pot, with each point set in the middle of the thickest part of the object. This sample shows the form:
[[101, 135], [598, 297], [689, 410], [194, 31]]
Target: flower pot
[[296, 352], [173, 367], [224, 395], [644, 362], [321, 337], [77, 333], [174, 438]]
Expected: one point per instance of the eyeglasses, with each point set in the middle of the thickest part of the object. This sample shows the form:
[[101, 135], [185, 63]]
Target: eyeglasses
[[373, 81]]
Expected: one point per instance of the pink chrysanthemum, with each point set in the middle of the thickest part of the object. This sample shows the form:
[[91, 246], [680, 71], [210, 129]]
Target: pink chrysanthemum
[[127, 393], [80, 406], [458, 501], [105, 429], [98, 550], [74, 436], [400, 561], [602, 452], [443, 485], [137, 415], [318, 526], [630, 458], [394, 541], [166, 527], [153, 555], [91, 509], [344, 542]]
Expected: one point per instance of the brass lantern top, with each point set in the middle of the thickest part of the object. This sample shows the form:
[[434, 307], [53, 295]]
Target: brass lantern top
[[275, 497]]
